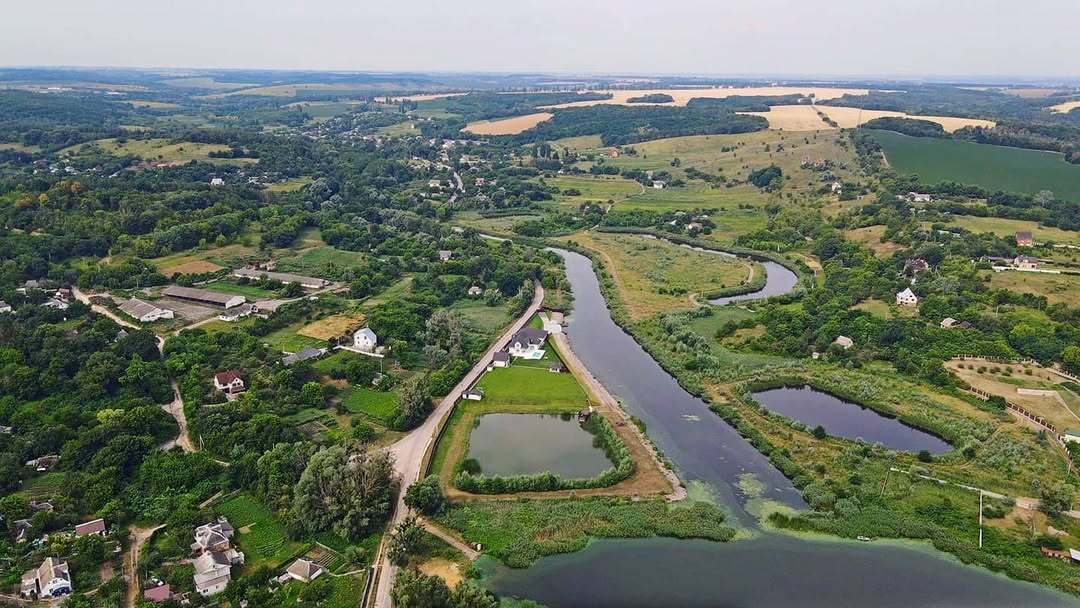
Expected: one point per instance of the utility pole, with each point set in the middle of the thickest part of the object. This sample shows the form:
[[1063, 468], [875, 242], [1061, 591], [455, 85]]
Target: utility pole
[[980, 518]]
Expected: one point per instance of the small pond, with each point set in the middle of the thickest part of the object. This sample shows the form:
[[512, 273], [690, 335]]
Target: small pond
[[845, 419], [524, 444]]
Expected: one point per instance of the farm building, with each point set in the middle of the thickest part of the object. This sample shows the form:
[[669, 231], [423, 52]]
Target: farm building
[[50, 579], [237, 313], [284, 277], [1024, 239], [204, 296], [144, 312], [907, 298]]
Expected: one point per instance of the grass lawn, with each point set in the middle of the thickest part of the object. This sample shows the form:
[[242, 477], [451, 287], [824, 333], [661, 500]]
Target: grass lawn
[[1006, 228], [486, 319], [251, 291], [992, 167], [654, 276], [531, 386], [287, 339], [878, 308], [380, 405], [161, 150], [320, 261], [295, 183], [596, 189], [260, 534], [1056, 287], [707, 326]]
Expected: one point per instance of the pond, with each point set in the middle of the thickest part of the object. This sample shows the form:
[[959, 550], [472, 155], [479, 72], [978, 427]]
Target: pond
[[525, 444], [846, 419]]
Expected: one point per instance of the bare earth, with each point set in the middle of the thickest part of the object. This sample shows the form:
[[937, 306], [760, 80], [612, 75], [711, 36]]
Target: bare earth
[[507, 126]]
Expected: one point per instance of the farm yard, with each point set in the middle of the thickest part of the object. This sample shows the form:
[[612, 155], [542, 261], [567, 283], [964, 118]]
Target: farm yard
[[992, 167]]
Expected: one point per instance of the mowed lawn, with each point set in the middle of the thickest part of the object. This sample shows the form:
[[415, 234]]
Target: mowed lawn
[[655, 276], [991, 167], [260, 534], [527, 385]]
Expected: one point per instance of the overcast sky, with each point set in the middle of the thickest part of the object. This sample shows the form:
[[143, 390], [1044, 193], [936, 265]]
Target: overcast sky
[[716, 37]]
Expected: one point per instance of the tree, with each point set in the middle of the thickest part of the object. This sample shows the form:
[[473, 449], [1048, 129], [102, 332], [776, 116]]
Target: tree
[[1070, 357], [469, 594], [1055, 499], [819, 432], [415, 403], [425, 496], [413, 589], [404, 540], [349, 492]]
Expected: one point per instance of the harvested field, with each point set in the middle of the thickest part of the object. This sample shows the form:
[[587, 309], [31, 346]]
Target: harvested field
[[870, 237], [1068, 106], [849, 118], [423, 97], [681, 96], [333, 326], [192, 267], [507, 126], [792, 118]]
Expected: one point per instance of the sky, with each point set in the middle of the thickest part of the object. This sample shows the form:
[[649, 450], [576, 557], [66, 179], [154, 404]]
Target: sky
[[909, 38]]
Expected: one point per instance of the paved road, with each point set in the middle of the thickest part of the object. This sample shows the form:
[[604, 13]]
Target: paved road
[[409, 451]]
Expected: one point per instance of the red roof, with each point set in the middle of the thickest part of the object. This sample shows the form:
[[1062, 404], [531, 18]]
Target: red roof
[[161, 593], [226, 377], [91, 527]]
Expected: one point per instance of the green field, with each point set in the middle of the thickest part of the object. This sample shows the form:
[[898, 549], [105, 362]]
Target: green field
[[486, 319], [380, 405], [598, 189], [527, 385], [320, 261], [259, 533], [991, 167], [251, 291], [287, 340], [161, 150], [1006, 228]]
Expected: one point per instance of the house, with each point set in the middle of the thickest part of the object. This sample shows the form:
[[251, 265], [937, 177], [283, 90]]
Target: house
[[50, 579], [4, 307], [613, 153], [915, 266], [55, 303], [527, 342], [229, 382], [445, 255], [304, 570], [907, 298], [22, 528], [1026, 262], [585, 414], [43, 463], [120, 335], [40, 505], [474, 292], [844, 342], [284, 277], [836, 187], [96, 526], [434, 184], [303, 355], [473, 394], [159, 594], [1024, 239], [204, 296], [480, 182], [500, 359], [365, 340], [919, 197], [556, 368], [1071, 435], [217, 181], [948, 323], [144, 312], [213, 571], [659, 184], [237, 313], [213, 536]]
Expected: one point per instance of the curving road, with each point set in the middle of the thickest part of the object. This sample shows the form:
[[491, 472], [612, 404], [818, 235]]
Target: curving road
[[409, 451]]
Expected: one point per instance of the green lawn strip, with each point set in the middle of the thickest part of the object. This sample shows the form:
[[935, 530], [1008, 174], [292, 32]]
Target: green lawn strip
[[251, 291], [531, 386], [520, 532], [287, 340], [260, 534]]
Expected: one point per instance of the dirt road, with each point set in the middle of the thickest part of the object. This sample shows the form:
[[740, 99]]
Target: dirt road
[[139, 536]]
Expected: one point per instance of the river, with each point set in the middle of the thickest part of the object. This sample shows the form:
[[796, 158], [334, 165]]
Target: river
[[765, 571]]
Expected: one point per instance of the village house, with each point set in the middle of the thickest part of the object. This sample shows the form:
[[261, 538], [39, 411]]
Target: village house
[[1024, 239], [4, 307], [948, 323], [474, 291], [445, 255], [21, 528], [303, 355], [915, 266], [527, 343], [836, 187], [1026, 262], [907, 298], [159, 594], [96, 526], [919, 197], [144, 312], [365, 340], [304, 570], [229, 382], [613, 153], [844, 342], [213, 536], [50, 579], [43, 463], [556, 368], [40, 505], [434, 184], [285, 277], [500, 359], [659, 184], [217, 181], [213, 572], [204, 296]]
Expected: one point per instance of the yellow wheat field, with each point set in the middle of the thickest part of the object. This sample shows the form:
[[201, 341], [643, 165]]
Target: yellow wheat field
[[681, 96], [853, 117], [1068, 106], [793, 118], [507, 126]]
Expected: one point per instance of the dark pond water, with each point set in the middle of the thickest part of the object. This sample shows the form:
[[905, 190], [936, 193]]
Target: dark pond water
[[523, 444], [845, 419], [778, 281], [770, 570]]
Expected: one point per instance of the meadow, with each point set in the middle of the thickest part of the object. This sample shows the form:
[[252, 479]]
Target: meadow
[[871, 238], [1005, 228], [1064, 288], [593, 189], [991, 167], [380, 405], [163, 150]]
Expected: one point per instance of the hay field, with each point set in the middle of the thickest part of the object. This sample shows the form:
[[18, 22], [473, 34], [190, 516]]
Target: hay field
[[332, 326], [792, 118], [681, 96], [1063, 288], [1068, 106], [870, 237], [849, 118], [192, 267], [507, 126], [155, 105]]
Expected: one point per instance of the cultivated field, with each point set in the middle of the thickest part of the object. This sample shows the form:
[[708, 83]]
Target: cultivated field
[[333, 326], [1062, 410], [1056, 287], [681, 96], [422, 97], [1005, 227], [1067, 106], [849, 118], [261, 535], [992, 167], [507, 126], [654, 276]]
